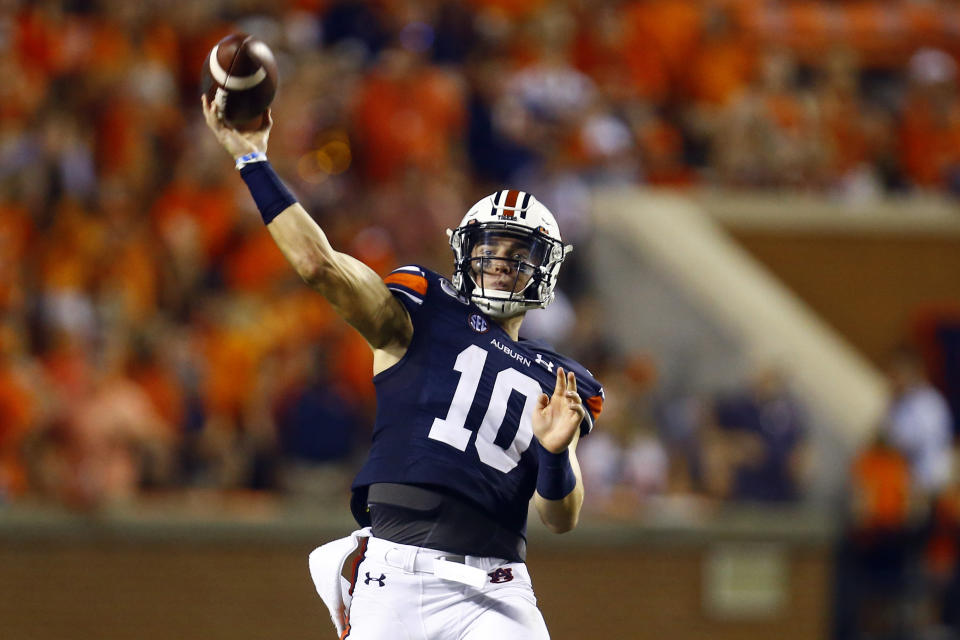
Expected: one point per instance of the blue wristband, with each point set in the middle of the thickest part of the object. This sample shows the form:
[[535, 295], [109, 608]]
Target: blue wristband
[[555, 479], [268, 191]]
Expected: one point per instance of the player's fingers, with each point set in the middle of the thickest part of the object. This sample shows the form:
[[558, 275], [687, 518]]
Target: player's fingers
[[571, 382], [208, 113], [561, 387], [543, 401], [577, 408]]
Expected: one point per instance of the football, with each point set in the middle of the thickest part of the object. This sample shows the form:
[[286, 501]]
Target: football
[[239, 78]]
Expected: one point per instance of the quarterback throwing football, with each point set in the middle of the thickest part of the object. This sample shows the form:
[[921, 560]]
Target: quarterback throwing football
[[472, 422]]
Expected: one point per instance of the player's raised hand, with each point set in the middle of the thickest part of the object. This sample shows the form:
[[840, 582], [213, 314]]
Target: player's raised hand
[[557, 418], [237, 143]]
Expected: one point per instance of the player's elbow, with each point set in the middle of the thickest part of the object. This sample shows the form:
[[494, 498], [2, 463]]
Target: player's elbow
[[564, 526], [560, 516], [560, 521], [313, 269]]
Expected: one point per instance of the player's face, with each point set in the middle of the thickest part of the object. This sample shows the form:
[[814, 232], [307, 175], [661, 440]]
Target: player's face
[[502, 262]]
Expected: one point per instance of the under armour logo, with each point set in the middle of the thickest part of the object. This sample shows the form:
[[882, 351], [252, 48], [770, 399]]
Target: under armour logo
[[546, 363], [501, 575], [381, 581]]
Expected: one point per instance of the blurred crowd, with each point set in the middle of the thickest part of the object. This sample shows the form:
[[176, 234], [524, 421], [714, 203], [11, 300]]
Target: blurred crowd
[[152, 338]]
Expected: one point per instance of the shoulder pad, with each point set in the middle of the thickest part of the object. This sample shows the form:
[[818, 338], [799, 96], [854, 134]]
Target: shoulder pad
[[410, 281]]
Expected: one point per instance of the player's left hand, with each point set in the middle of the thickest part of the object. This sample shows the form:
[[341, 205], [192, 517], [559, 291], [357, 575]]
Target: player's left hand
[[557, 418]]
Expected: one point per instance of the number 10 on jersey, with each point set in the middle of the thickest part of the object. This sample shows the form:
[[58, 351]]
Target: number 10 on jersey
[[452, 429]]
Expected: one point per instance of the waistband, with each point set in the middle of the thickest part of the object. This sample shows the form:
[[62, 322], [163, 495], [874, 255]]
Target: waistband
[[475, 571]]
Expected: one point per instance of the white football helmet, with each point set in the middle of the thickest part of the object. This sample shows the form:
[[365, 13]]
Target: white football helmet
[[507, 254]]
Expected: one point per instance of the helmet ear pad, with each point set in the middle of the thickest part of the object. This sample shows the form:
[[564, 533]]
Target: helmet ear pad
[[532, 233]]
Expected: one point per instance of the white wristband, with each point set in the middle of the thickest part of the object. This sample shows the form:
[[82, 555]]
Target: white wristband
[[250, 158]]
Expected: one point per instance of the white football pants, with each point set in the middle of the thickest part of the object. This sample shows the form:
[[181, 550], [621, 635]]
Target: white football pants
[[400, 592]]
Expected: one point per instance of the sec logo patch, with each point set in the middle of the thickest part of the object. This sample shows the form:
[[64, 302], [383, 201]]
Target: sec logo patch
[[478, 323]]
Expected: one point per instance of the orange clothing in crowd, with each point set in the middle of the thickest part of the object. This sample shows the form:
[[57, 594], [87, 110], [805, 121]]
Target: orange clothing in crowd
[[621, 63], [513, 9], [209, 209], [930, 142], [883, 33], [39, 40], [843, 130], [297, 318], [17, 413], [941, 551], [720, 71], [16, 231], [256, 263], [71, 250], [881, 482], [131, 277], [407, 117], [164, 391], [232, 356], [353, 362], [673, 27]]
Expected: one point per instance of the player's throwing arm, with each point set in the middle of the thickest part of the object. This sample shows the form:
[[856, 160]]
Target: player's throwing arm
[[354, 289]]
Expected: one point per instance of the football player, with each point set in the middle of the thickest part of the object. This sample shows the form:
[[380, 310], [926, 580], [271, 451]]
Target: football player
[[471, 423]]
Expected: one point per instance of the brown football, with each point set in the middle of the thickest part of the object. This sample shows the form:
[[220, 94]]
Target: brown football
[[240, 77]]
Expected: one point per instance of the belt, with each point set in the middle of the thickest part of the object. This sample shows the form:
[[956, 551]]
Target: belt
[[441, 564]]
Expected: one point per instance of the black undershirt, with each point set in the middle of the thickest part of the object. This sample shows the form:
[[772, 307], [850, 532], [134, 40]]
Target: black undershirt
[[428, 517]]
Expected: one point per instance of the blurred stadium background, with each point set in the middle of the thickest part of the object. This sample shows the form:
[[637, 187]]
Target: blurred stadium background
[[763, 199]]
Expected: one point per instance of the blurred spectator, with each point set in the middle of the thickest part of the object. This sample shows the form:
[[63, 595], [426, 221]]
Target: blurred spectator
[[356, 23], [624, 464], [406, 114], [918, 422], [769, 135], [106, 442], [766, 428], [21, 409], [319, 426], [930, 128], [697, 464], [897, 563], [874, 567], [941, 559]]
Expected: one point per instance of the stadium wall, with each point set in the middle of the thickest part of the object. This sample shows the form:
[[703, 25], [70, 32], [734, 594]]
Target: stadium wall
[[70, 577]]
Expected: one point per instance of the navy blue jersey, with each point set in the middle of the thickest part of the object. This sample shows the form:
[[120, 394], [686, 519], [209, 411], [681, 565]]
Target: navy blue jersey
[[456, 411]]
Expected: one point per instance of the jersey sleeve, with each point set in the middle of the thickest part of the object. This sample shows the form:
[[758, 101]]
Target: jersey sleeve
[[589, 388], [409, 285], [591, 392]]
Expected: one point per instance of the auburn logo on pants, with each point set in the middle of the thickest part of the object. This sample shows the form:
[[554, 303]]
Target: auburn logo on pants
[[501, 575]]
